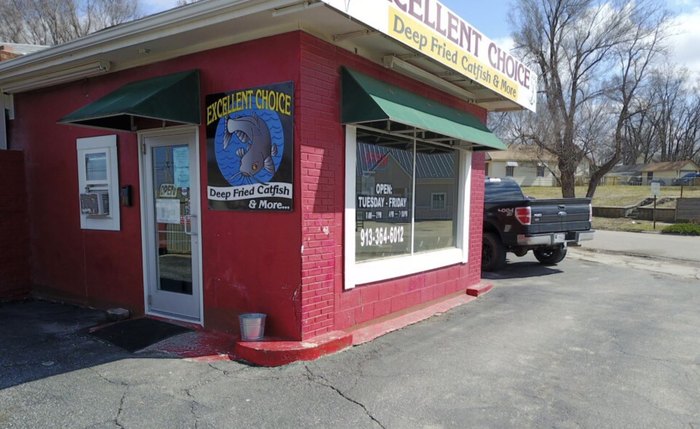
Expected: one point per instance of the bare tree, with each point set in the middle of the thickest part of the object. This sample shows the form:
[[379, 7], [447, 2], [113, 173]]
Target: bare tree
[[108, 13], [591, 56], [674, 114], [51, 22], [640, 143], [11, 23], [634, 57], [667, 127]]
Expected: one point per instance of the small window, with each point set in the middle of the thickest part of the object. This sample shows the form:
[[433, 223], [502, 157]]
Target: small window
[[438, 201], [98, 183], [540, 171], [510, 171]]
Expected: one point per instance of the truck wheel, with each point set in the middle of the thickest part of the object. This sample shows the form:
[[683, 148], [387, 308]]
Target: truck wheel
[[550, 255], [493, 255]]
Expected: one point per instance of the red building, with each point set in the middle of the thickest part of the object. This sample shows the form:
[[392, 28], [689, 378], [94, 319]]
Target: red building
[[320, 165]]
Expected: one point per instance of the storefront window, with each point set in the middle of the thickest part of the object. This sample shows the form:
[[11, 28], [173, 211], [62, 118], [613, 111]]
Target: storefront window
[[406, 193]]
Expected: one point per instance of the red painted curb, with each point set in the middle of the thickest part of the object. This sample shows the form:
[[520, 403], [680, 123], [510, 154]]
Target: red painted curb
[[479, 289], [273, 352], [377, 328], [277, 353]]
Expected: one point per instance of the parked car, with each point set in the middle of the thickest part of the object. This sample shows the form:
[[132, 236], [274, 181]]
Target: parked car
[[688, 179], [661, 182], [634, 180]]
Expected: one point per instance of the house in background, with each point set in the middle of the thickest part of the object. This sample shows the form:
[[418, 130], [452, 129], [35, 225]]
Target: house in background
[[624, 175], [530, 166], [643, 174], [665, 172]]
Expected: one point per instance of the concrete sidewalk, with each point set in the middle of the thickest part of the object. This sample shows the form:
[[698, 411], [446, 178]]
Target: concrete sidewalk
[[659, 253], [676, 248]]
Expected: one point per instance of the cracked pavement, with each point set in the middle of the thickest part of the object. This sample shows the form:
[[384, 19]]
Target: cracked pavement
[[588, 343]]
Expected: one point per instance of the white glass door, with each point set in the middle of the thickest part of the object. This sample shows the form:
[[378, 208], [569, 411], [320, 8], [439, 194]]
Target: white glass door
[[171, 225]]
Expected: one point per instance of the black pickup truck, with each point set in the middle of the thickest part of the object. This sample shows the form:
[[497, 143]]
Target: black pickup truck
[[515, 223]]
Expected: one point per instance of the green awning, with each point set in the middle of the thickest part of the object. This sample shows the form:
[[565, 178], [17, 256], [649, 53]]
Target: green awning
[[172, 98], [366, 99]]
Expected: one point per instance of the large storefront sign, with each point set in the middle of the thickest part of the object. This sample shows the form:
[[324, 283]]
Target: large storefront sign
[[434, 30], [250, 147]]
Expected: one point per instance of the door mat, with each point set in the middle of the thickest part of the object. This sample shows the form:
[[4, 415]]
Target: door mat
[[136, 334]]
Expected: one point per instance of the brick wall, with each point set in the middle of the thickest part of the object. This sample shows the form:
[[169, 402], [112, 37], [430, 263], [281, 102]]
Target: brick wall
[[322, 178], [325, 305], [476, 216], [14, 230]]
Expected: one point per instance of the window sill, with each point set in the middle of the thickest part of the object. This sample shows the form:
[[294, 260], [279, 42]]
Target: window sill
[[385, 269]]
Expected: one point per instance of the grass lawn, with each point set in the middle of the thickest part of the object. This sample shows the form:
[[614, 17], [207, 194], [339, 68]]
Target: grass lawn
[[626, 224], [616, 196]]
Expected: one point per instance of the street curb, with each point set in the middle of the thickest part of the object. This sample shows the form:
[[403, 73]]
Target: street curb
[[635, 255], [277, 353]]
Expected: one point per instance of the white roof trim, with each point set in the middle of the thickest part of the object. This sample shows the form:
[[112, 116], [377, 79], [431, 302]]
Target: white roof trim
[[190, 17]]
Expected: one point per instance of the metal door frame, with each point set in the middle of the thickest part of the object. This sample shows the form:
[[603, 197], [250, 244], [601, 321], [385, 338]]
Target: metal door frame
[[147, 232]]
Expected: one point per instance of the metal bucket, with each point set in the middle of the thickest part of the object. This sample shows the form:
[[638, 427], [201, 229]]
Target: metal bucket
[[252, 326]]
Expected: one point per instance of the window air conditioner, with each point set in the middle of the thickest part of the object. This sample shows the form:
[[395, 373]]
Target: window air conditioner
[[95, 203]]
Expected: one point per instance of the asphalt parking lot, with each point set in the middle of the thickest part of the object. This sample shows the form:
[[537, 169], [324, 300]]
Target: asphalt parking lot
[[588, 343]]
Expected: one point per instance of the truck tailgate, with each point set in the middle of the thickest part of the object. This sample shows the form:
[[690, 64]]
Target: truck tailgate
[[571, 214]]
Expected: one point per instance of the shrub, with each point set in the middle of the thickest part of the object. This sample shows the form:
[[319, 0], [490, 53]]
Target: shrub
[[682, 229]]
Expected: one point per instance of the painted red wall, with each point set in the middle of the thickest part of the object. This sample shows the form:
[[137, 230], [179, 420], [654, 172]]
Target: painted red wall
[[96, 268], [14, 228], [251, 260], [325, 305]]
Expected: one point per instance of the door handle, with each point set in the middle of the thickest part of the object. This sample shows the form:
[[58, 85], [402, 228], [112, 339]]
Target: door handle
[[189, 229]]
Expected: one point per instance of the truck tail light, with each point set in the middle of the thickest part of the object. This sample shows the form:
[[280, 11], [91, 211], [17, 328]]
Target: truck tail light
[[523, 215], [590, 213]]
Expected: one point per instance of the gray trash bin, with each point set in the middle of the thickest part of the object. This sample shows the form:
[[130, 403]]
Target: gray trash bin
[[252, 326]]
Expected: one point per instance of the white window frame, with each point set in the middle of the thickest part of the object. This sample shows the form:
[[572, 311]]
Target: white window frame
[[108, 146], [359, 273]]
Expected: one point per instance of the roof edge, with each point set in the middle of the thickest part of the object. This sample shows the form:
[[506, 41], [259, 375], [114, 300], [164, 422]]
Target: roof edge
[[191, 16]]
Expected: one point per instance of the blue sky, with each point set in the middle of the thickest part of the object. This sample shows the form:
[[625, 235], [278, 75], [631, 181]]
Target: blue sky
[[491, 18]]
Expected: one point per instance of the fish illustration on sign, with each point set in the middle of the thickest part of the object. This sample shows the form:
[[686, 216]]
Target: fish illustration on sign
[[253, 132]]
